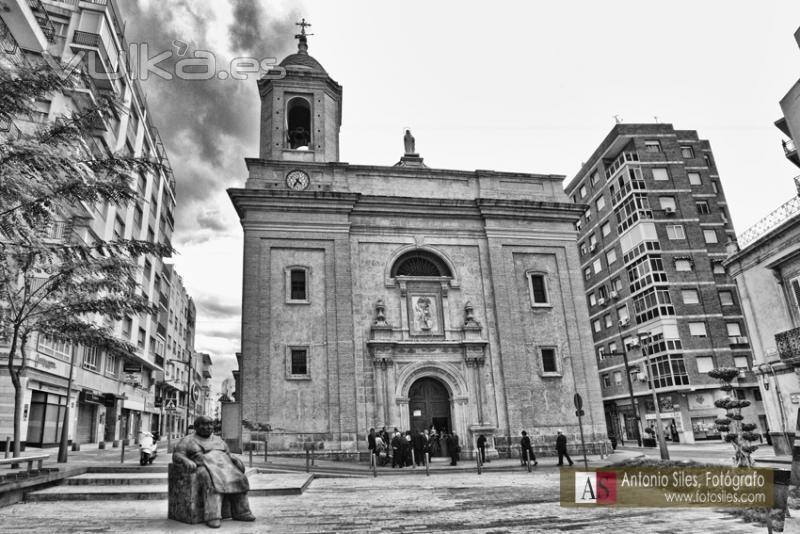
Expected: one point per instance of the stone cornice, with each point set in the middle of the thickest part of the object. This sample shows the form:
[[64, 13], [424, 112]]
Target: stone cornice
[[282, 200]]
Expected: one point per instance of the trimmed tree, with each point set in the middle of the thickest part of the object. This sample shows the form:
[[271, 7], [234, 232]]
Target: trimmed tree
[[62, 287], [732, 426]]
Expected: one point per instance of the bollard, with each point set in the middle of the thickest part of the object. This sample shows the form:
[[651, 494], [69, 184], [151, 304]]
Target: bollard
[[122, 452], [413, 460], [427, 464], [265, 452], [373, 461], [308, 461], [8, 444], [478, 460], [250, 450], [527, 460]]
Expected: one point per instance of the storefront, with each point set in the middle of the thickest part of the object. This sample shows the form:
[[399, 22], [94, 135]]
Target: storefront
[[90, 411], [45, 416]]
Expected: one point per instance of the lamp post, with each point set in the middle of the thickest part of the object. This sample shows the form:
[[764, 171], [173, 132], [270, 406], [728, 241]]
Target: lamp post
[[624, 355], [662, 442]]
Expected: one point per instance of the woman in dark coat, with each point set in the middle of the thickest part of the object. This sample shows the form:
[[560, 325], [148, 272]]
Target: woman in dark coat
[[453, 448]]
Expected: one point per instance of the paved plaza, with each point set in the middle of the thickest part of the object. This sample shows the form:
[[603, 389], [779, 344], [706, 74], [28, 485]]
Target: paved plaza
[[494, 502]]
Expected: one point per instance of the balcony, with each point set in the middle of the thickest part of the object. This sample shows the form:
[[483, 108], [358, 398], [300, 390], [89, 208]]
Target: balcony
[[788, 343], [626, 189], [104, 71], [43, 19], [786, 212], [617, 164], [790, 150]]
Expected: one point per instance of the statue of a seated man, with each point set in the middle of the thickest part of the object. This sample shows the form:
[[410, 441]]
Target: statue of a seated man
[[220, 473]]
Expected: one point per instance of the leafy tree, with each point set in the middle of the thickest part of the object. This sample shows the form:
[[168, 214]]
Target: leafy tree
[[61, 288]]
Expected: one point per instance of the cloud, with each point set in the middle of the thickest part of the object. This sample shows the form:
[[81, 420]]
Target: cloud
[[209, 305]]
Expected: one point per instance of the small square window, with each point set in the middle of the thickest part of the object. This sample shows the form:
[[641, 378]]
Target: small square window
[[592, 300], [694, 178], [549, 361], [600, 204], [612, 347], [741, 362], [606, 381], [697, 329], [667, 203], [617, 378], [597, 265], [605, 229], [734, 330], [690, 296], [583, 191], [595, 177], [611, 256], [538, 289], [596, 325], [660, 174], [687, 152], [726, 298], [710, 236], [704, 364], [675, 231], [624, 316], [652, 145], [616, 283], [587, 273], [683, 265], [715, 187], [702, 207], [592, 241], [607, 320]]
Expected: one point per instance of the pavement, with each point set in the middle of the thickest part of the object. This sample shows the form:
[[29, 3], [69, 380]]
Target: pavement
[[346, 498]]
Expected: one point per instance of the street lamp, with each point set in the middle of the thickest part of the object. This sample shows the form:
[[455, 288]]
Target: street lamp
[[624, 355], [662, 442]]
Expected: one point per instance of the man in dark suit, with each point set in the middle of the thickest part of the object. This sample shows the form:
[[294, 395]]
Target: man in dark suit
[[527, 449], [453, 448], [482, 448], [561, 448], [397, 450], [418, 442], [371, 442]]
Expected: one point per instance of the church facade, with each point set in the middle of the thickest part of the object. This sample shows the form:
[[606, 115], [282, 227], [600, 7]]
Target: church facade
[[403, 296]]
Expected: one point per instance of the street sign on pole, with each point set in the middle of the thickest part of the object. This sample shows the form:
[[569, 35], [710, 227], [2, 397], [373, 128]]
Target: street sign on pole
[[578, 401], [170, 407], [580, 413]]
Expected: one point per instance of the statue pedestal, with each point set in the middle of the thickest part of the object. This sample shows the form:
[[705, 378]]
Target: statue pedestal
[[410, 160], [185, 497]]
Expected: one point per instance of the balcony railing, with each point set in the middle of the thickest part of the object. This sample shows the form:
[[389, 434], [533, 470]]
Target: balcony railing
[[787, 211], [626, 189], [617, 164], [43, 19], [788, 343]]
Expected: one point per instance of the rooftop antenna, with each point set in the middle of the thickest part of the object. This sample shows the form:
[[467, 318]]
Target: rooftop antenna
[[617, 119], [656, 118]]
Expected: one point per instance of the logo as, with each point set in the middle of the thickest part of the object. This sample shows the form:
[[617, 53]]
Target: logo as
[[595, 487]]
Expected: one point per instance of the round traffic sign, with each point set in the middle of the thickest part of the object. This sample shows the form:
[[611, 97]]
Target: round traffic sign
[[578, 401]]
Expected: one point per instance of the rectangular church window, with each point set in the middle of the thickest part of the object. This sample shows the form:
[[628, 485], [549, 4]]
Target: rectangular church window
[[299, 361], [538, 289], [298, 285], [549, 361]]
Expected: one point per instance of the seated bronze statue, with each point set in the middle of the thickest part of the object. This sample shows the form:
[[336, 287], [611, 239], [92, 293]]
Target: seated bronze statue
[[220, 473]]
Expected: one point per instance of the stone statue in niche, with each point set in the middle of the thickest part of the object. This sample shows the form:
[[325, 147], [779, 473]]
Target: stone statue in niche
[[469, 315], [380, 314], [424, 314]]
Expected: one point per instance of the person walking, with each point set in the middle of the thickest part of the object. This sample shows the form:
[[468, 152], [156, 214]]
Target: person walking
[[561, 448], [527, 449], [482, 448]]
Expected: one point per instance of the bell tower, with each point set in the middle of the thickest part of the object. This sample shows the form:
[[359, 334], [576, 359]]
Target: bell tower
[[301, 109]]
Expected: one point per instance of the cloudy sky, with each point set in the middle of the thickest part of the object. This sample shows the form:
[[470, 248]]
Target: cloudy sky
[[528, 86]]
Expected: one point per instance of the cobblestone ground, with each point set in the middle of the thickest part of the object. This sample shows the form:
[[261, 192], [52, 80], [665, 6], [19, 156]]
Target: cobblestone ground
[[489, 503]]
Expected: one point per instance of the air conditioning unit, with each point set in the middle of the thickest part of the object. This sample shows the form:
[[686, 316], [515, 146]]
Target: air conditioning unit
[[624, 322], [642, 377], [593, 247], [601, 301], [669, 210], [614, 294]]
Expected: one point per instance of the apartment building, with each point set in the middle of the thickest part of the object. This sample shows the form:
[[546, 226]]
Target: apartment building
[[663, 311], [114, 399]]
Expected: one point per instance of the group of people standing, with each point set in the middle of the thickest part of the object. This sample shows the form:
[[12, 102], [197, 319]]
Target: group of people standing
[[404, 449]]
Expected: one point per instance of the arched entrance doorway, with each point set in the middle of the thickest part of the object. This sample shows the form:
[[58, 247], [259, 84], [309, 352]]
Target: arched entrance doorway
[[429, 404]]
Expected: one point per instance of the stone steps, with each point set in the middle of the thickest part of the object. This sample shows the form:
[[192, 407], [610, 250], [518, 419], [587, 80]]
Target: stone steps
[[153, 486]]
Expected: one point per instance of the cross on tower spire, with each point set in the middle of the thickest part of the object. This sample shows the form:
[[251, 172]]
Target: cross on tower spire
[[302, 44]]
